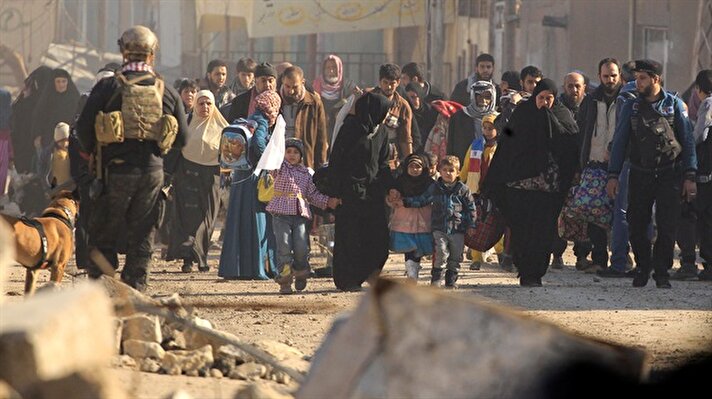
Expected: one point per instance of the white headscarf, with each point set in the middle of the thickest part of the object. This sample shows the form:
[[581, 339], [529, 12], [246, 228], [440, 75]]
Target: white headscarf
[[203, 140]]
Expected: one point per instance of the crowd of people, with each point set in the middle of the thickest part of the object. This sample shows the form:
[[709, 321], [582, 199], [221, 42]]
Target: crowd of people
[[397, 167]]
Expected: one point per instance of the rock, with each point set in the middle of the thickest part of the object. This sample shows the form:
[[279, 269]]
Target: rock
[[149, 365], [124, 296], [215, 373], [124, 362], [140, 349], [174, 304], [177, 362], [280, 377], [248, 371], [194, 339], [179, 394], [143, 328], [261, 390], [279, 350], [192, 373], [118, 329], [233, 354], [53, 336], [175, 342]]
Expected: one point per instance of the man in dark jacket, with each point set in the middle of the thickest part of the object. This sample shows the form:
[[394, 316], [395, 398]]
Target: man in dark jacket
[[597, 123], [484, 69], [654, 132], [132, 170], [243, 105], [413, 73]]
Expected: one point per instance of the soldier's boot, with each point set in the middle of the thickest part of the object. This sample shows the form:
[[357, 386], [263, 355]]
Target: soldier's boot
[[135, 273]]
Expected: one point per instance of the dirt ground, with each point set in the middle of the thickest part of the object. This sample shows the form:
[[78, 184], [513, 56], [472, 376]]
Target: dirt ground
[[672, 325]]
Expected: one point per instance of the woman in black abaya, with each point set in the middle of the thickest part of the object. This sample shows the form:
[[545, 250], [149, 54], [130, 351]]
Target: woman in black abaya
[[530, 174], [58, 104], [360, 167]]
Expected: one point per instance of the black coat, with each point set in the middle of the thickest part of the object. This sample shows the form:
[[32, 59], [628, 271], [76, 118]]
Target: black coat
[[239, 106], [587, 115]]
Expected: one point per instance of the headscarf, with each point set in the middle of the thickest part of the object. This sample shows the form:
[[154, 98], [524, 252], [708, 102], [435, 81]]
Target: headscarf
[[545, 84], [330, 91], [371, 109], [480, 87], [269, 103], [54, 107], [411, 186], [5, 109], [203, 139], [61, 132]]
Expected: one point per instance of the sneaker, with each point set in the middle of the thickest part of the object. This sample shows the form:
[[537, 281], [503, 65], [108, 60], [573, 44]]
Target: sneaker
[[583, 264], [557, 263], [204, 268], [530, 282], [436, 276], [412, 269], [187, 266], [450, 279], [662, 281], [285, 288], [300, 280], [686, 272], [640, 279], [475, 265], [506, 262], [611, 273]]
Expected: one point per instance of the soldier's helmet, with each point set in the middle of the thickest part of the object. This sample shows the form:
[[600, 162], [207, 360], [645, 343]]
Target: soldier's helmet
[[138, 40]]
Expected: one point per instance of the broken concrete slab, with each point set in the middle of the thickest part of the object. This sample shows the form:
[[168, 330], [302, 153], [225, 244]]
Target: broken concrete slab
[[124, 297], [189, 362], [143, 328], [141, 349], [408, 341], [53, 336]]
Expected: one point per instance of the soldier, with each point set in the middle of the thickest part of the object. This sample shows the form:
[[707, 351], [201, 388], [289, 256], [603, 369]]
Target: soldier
[[138, 119]]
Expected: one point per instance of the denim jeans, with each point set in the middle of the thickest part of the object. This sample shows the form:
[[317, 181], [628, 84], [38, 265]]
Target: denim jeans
[[448, 250], [292, 235], [619, 232]]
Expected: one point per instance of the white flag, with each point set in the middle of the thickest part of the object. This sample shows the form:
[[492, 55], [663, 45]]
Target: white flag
[[273, 156]]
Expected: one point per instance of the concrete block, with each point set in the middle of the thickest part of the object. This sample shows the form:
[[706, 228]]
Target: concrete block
[[54, 335], [143, 328], [141, 349]]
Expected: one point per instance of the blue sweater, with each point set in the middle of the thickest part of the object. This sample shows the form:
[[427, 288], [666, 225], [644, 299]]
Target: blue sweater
[[682, 127], [453, 208]]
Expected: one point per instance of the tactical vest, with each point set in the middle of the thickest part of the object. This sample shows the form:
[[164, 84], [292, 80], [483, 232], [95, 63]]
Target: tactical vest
[[141, 109], [654, 143]]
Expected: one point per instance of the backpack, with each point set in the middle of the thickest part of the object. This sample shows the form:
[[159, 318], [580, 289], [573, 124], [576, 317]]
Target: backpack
[[234, 145], [657, 144]]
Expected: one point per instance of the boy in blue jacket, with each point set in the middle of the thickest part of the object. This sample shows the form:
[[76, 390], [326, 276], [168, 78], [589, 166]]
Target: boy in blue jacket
[[453, 213]]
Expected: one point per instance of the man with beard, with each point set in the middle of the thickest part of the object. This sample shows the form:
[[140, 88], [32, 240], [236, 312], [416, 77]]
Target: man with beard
[[466, 125], [245, 78], [305, 117], [656, 134], [400, 116], [574, 92], [412, 73], [244, 104], [597, 123], [215, 80], [334, 89], [484, 68]]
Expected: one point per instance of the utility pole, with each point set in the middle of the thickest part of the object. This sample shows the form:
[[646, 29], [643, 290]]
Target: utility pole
[[435, 35], [511, 21]]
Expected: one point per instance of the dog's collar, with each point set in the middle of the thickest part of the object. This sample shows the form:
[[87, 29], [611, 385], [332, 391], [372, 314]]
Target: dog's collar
[[67, 219]]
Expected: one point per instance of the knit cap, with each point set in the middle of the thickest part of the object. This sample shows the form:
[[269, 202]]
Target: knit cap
[[61, 132]]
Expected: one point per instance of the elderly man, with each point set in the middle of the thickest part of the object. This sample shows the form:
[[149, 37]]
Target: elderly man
[[574, 91]]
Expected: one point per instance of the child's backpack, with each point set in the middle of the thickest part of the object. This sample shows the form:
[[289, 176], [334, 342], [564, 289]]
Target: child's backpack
[[234, 143]]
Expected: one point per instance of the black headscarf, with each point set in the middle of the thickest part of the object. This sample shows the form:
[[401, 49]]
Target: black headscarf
[[530, 136], [417, 89], [55, 107], [411, 186], [371, 109]]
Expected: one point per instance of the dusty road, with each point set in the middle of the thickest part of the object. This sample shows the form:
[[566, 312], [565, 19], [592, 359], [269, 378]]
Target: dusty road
[[672, 325]]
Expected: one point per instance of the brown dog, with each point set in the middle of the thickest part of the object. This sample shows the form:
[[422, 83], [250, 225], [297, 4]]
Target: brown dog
[[57, 222]]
